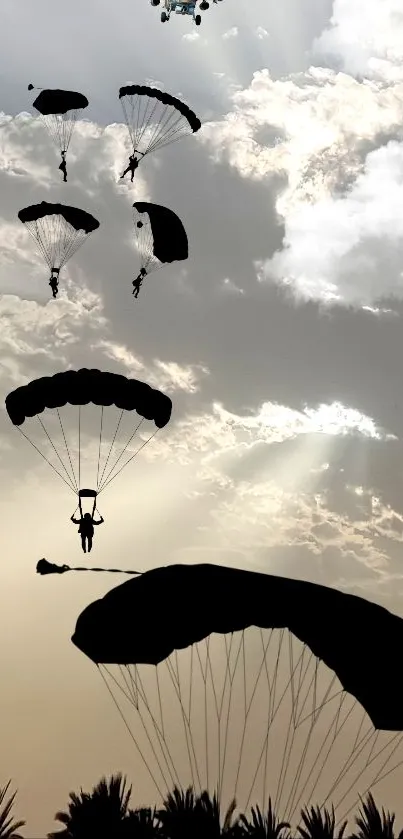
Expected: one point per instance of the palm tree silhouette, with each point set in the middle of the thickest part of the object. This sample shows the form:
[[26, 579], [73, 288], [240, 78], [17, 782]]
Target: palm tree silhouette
[[375, 825], [264, 825], [186, 815], [318, 825], [8, 828], [142, 823], [101, 813]]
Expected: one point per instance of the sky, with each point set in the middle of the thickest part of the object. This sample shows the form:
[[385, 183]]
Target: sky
[[279, 341]]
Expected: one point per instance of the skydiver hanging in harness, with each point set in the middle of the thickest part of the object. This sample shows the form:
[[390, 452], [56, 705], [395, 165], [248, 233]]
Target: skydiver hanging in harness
[[86, 529], [133, 165], [54, 281], [138, 282], [63, 166]]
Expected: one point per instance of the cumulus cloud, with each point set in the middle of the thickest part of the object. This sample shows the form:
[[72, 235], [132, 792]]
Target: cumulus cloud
[[366, 39], [348, 249], [336, 142], [308, 131]]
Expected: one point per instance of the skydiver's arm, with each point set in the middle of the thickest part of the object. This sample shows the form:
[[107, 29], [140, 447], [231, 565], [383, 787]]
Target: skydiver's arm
[[75, 521], [101, 521]]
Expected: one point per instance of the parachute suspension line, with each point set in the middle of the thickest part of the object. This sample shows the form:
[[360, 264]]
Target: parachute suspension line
[[266, 740], [230, 682], [350, 760], [167, 132], [145, 241], [271, 712], [129, 730], [138, 692], [377, 780], [265, 743], [159, 731], [79, 446], [135, 693], [186, 722], [67, 449], [108, 479], [294, 700], [301, 766], [167, 128], [247, 706], [68, 483], [56, 238], [297, 776], [61, 127], [218, 714], [71, 478], [399, 736], [110, 450], [100, 443], [314, 716]]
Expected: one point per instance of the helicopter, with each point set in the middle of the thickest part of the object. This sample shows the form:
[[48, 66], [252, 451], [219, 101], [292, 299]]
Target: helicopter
[[182, 7]]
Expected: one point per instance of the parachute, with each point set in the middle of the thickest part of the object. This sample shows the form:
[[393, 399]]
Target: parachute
[[154, 118], [160, 235], [59, 110], [250, 684], [58, 230], [82, 447]]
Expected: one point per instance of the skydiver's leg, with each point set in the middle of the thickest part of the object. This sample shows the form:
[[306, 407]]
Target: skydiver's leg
[[125, 172], [89, 543], [83, 538]]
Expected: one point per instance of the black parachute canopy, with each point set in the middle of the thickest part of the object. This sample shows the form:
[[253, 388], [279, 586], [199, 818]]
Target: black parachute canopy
[[79, 219], [59, 101], [79, 387], [170, 242], [165, 99], [144, 620]]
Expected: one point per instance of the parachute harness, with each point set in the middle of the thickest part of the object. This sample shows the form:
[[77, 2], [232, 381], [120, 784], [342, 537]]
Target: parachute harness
[[218, 692]]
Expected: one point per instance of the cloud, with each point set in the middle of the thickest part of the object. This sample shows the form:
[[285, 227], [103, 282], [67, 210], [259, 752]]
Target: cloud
[[231, 33], [365, 37], [261, 33], [306, 129], [348, 249], [191, 36], [165, 375]]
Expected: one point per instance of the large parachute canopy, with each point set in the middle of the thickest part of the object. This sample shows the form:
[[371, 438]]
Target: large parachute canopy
[[160, 235], [251, 684], [88, 425], [59, 110], [154, 118], [59, 230]]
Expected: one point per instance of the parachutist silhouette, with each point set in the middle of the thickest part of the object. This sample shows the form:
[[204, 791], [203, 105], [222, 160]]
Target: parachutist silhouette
[[138, 282], [133, 164], [63, 166], [86, 529], [54, 281]]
